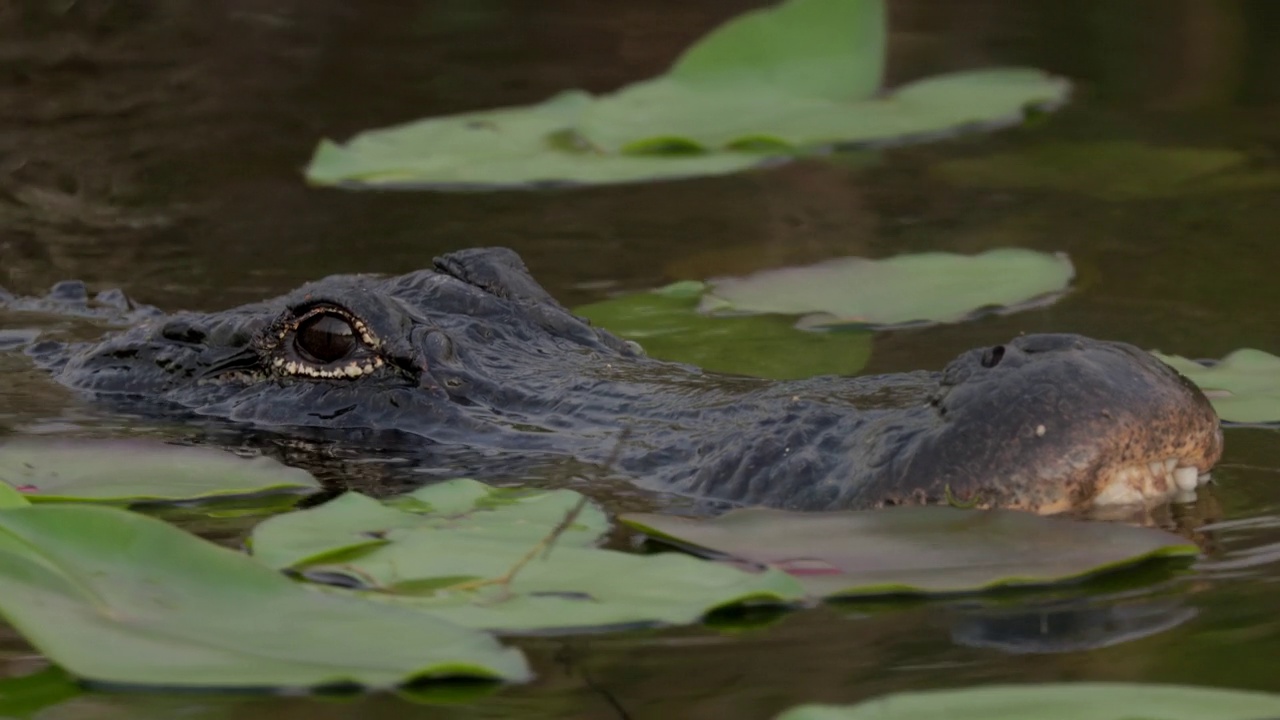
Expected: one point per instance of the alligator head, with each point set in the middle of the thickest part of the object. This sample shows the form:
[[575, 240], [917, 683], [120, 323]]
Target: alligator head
[[475, 353]]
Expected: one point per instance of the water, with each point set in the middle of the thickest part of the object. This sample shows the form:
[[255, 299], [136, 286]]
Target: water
[[155, 145]]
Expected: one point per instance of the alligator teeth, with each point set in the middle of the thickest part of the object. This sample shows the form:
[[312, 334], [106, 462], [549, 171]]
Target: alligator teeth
[[1155, 481], [1187, 478]]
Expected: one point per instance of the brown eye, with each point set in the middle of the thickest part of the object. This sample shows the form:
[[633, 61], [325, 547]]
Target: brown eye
[[325, 338]]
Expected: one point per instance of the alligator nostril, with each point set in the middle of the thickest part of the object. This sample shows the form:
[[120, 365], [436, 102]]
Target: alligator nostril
[[991, 357]]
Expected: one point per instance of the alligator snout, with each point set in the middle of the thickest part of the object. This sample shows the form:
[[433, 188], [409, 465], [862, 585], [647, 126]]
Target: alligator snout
[[1051, 423]]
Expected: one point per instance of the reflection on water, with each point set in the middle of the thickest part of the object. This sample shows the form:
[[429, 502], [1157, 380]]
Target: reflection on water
[[1067, 626], [155, 146]]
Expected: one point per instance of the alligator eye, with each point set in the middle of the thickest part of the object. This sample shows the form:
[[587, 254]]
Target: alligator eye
[[993, 356], [325, 338]]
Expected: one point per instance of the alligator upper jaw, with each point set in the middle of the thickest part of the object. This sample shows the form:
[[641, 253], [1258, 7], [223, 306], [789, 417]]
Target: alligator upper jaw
[[1173, 478], [1055, 424]]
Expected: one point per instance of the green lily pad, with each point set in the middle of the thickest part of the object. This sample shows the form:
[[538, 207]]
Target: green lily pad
[[439, 548], [651, 117], [124, 471], [796, 78], [916, 550], [933, 287], [121, 598], [10, 496], [793, 47], [1117, 170], [1055, 701], [508, 147], [666, 323], [465, 507], [569, 589], [1244, 386]]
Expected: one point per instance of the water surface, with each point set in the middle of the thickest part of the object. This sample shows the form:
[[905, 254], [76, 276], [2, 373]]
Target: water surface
[[155, 146]]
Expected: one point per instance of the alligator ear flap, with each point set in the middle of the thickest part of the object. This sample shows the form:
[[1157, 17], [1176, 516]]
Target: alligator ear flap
[[496, 270]]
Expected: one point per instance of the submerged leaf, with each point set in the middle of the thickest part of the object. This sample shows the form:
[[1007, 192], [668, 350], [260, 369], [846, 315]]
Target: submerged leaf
[[30, 696], [927, 549], [666, 323], [926, 287], [1117, 170], [123, 471], [121, 598], [1055, 701], [1244, 387]]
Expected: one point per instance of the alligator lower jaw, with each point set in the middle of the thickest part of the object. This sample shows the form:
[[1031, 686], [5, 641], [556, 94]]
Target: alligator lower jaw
[[1145, 483]]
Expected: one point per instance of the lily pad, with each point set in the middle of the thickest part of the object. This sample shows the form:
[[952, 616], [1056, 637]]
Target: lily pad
[[1244, 386], [464, 507], [933, 287], [508, 147], [10, 496], [916, 550], [120, 598], [569, 589], [666, 114], [797, 78], [666, 323], [442, 548], [124, 471], [1055, 701], [1118, 170]]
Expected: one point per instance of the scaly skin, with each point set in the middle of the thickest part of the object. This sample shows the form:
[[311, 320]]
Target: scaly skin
[[475, 353]]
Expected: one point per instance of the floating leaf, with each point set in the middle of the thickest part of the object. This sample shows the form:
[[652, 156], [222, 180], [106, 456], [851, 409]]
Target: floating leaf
[[793, 48], [527, 146], [568, 589], [933, 287], [715, 121], [1055, 701], [666, 323], [117, 597], [11, 496], [125, 471], [1244, 387], [796, 78], [441, 548], [464, 507], [1116, 170], [927, 549]]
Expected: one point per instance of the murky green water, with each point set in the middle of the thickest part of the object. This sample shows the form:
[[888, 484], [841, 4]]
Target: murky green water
[[155, 145]]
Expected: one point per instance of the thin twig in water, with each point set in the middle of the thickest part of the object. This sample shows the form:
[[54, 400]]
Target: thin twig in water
[[544, 545]]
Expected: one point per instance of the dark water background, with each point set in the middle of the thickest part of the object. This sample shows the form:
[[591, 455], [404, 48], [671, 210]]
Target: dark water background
[[156, 146]]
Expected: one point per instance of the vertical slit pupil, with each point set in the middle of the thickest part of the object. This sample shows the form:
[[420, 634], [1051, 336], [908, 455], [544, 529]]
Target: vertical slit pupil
[[325, 338]]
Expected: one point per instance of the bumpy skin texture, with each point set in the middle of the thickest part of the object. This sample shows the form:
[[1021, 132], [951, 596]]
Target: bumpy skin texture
[[475, 353]]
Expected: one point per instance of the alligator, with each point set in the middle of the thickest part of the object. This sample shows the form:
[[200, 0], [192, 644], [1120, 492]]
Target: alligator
[[474, 352]]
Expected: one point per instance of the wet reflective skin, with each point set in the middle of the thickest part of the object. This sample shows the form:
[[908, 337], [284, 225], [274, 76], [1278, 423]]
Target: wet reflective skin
[[474, 353]]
